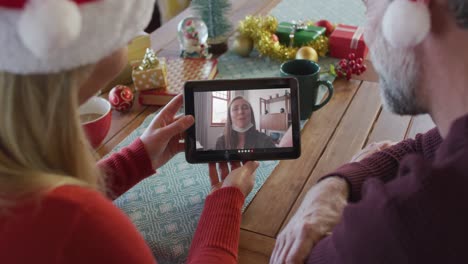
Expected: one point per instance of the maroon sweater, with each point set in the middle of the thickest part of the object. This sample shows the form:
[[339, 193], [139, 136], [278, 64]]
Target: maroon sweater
[[408, 204]]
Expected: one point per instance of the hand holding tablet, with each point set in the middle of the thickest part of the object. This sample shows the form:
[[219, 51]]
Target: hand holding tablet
[[239, 120]]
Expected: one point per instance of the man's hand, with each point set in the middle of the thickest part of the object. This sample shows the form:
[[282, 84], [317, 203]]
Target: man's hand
[[161, 138], [320, 211], [371, 149], [242, 177]]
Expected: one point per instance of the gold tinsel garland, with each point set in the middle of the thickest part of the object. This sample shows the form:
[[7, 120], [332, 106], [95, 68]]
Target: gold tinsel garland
[[261, 30]]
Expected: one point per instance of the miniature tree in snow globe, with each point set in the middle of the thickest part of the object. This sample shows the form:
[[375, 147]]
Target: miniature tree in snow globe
[[214, 14]]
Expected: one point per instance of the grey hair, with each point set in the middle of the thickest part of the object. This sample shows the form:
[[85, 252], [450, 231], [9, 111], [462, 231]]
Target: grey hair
[[460, 10]]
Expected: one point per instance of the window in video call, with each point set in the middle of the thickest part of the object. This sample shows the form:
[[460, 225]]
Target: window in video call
[[242, 119]]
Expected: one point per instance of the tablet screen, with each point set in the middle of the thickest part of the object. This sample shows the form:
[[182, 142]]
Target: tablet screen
[[248, 119]]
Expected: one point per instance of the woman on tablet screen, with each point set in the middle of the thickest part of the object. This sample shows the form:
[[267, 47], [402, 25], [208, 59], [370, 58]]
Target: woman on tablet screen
[[240, 131]]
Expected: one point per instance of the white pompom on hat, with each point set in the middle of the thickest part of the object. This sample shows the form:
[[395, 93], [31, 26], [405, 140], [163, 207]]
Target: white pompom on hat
[[44, 36], [39, 30], [406, 23]]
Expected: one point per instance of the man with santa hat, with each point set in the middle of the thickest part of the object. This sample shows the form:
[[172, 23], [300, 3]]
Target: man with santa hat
[[404, 202]]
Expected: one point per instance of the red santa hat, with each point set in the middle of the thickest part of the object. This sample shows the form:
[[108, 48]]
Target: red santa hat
[[44, 36], [406, 23]]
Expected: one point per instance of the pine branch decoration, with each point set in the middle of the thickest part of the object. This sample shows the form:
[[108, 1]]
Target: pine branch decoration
[[214, 14]]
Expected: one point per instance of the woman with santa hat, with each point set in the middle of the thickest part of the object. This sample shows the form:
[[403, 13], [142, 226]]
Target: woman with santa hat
[[55, 200]]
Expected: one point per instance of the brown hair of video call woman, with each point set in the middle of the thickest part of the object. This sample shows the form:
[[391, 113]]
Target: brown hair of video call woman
[[242, 112]]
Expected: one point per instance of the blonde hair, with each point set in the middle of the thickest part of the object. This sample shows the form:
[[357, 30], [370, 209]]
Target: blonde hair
[[42, 144]]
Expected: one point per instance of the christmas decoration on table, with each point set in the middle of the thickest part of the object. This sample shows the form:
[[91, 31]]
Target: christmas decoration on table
[[327, 25], [242, 45], [262, 30], [275, 38], [179, 71], [121, 98], [136, 52], [307, 53], [214, 13], [298, 34], [150, 73], [347, 39], [193, 34], [349, 66]]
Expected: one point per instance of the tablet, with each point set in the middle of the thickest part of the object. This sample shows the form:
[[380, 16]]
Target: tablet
[[241, 120]]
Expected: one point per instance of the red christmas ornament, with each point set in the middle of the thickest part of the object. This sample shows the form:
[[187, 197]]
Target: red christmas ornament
[[275, 38], [327, 25], [121, 98]]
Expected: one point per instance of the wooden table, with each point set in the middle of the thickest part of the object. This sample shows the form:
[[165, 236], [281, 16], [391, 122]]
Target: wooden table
[[353, 118]]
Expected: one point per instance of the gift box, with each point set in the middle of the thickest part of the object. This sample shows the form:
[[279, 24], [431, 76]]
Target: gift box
[[303, 34], [136, 52], [347, 39], [150, 73]]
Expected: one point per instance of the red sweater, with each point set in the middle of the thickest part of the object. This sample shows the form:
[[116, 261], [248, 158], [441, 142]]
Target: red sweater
[[408, 204], [72, 224]]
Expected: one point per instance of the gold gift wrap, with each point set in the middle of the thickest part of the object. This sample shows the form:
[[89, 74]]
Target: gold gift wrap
[[150, 73], [136, 51]]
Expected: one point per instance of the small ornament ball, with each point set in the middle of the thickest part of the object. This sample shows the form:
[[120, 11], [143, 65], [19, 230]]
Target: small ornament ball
[[307, 53], [121, 98], [327, 25], [275, 38], [242, 46]]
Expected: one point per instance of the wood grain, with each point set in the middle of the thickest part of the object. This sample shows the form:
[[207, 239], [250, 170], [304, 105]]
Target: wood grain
[[389, 126], [271, 205], [126, 129], [420, 124], [249, 257], [255, 248], [349, 137]]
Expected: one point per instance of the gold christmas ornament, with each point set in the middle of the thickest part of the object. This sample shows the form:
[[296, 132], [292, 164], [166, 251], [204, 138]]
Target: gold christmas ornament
[[242, 45], [307, 53], [261, 30]]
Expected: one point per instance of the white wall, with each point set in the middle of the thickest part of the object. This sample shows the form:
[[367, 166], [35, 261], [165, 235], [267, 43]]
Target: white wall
[[212, 133]]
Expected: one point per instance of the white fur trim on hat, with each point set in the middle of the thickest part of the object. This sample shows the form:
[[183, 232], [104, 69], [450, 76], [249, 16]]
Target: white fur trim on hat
[[106, 25], [47, 25], [406, 23]]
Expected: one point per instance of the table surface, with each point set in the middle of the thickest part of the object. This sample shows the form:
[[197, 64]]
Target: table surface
[[353, 118]]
